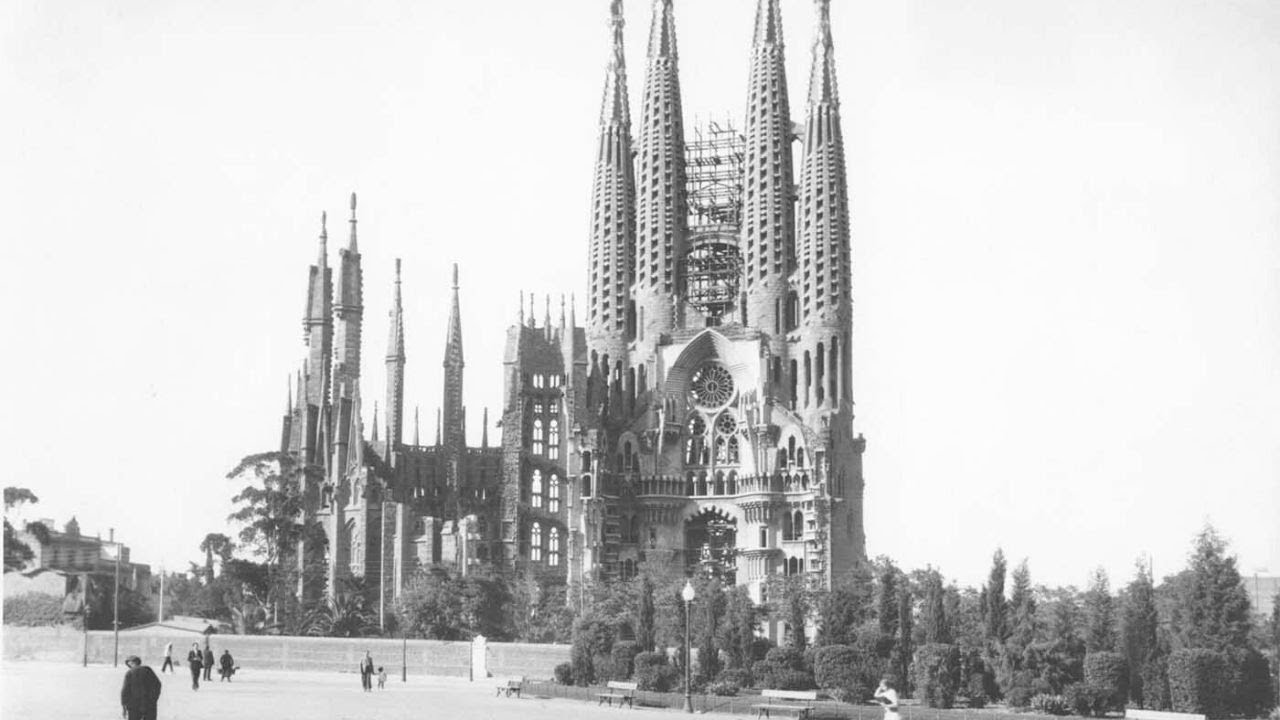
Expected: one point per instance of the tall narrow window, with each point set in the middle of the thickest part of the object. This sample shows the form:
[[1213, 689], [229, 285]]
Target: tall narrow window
[[553, 494], [538, 441], [553, 546], [535, 542], [553, 442], [535, 489]]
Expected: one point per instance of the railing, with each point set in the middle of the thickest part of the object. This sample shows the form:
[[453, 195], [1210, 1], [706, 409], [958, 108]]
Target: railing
[[703, 484]]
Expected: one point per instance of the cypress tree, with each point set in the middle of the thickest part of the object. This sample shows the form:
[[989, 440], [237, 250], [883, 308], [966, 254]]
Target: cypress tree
[[1099, 614], [1139, 625]]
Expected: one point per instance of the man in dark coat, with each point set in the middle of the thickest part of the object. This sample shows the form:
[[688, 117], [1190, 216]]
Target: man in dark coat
[[140, 691], [227, 666], [195, 660], [208, 661]]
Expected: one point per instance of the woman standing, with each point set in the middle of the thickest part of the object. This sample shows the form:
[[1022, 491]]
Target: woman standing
[[888, 697], [195, 660]]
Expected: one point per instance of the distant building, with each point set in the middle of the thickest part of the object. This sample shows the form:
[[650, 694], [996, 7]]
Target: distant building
[[1262, 592], [68, 552]]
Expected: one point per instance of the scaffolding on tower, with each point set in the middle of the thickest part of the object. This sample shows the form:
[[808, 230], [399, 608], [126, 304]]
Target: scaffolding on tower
[[713, 186]]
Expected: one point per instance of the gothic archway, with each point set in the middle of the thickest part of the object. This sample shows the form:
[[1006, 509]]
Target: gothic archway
[[710, 541]]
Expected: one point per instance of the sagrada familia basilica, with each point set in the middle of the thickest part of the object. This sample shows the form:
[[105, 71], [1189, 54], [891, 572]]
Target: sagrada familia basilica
[[700, 417]]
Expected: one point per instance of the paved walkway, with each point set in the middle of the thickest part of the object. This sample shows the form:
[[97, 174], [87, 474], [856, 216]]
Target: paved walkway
[[70, 692]]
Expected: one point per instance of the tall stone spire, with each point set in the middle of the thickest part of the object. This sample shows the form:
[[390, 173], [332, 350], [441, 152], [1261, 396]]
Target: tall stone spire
[[661, 203], [613, 209], [826, 300], [348, 315], [395, 368], [768, 215], [453, 364], [824, 196], [317, 326]]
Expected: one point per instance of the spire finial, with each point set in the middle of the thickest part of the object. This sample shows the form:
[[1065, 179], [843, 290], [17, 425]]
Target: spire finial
[[375, 423], [768, 24], [662, 34], [351, 244], [288, 405], [521, 307], [397, 271], [416, 437], [455, 276], [484, 430]]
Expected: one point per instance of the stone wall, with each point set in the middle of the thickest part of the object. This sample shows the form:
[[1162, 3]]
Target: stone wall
[[422, 657]]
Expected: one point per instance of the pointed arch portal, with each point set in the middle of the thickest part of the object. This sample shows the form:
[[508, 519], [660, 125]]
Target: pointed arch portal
[[710, 541]]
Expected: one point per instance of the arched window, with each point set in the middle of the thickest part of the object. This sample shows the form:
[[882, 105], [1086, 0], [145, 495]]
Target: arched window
[[799, 457], [733, 454], [627, 457], [535, 542], [696, 441], [786, 526], [535, 489], [553, 546], [553, 494], [791, 449], [719, 485], [553, 443], [797, 525], [586, 486], [538, 440]]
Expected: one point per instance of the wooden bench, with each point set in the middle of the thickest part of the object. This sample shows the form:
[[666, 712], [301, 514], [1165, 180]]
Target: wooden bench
[[623, 692], [786, 701], [1133, 714], [512, 686]]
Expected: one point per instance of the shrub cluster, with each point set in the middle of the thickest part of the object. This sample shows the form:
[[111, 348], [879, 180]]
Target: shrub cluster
[[835, 671], [783, 669], [1107, 673], [937, 674], [1088, 699], [1198, 682], [652, 672], [33, 610], [564, 673], [624, 657], [1050, 704]]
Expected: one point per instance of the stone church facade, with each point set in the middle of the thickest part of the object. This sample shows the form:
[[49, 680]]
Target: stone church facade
[[700, 417]]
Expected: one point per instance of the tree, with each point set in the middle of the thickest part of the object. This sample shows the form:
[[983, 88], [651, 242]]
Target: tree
[[1139, 627], [1099, 616], [937, 625], [903, 648], [16, 552], [1212, 606], [887, 598], [644, 616], [1021, 629], [271, 519], [840, 612], [215, 544], [345, 615], [994, 609], [711, 598]]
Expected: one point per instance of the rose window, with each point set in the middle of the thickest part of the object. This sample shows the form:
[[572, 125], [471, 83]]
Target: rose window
[[726, 424], [711, 386]]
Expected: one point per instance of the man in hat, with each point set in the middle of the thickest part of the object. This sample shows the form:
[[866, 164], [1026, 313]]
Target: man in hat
[[140, 691]]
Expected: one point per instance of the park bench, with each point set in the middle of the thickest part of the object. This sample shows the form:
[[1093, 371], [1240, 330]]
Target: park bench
[[1133, 714], [511, 686], [623, 692], [786, 701]]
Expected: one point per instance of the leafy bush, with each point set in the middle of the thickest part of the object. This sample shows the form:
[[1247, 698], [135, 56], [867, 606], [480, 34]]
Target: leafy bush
[[738, 676], [937, 674], [792, 680], [1050, 704], [592, 642], [724, 689], [835, 671], [1108, 673], [1155, 684], [1019, 696], [564, 674], [653, 673], [1252, 692], [1086, 699], [624, 658], [1197, 682], [602, 669], [976, 691], [785, 658], [33, 610]]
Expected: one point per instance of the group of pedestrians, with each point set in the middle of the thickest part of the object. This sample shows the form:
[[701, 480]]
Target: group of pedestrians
[[201, 663]]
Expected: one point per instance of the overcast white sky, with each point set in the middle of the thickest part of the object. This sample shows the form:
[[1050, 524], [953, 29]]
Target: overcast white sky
[[1066, 242]]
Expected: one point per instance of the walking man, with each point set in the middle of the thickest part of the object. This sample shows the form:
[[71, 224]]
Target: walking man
[[140, 691], [195, 660], [168, 658], [366, 672], [208, 661], [227, 666]]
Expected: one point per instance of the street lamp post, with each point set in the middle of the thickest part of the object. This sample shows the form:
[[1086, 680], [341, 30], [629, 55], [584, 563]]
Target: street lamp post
[[688, 596], [115, 608]]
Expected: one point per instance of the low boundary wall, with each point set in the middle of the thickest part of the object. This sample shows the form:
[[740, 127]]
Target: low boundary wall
[[274, 652]]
